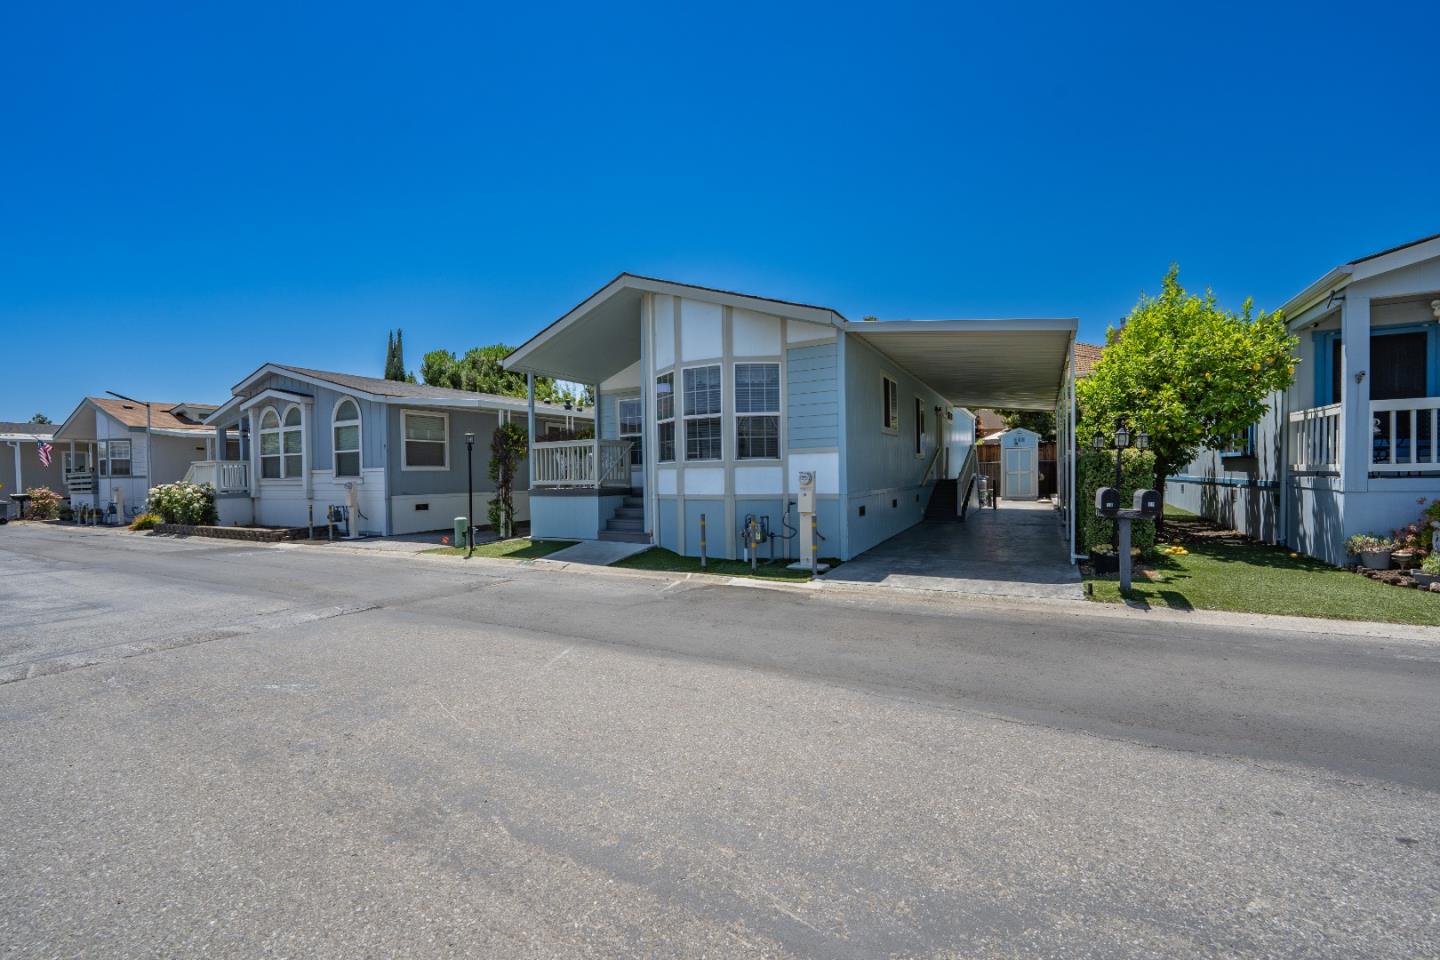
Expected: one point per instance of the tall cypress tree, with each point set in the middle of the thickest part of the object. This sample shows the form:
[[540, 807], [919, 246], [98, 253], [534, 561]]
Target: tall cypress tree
[[389, 355], [399, 371]]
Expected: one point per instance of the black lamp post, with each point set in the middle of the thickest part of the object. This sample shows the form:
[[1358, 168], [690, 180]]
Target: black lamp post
[[470, 493], [1121, 440]]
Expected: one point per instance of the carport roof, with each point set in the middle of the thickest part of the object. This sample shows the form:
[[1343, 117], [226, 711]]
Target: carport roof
[[1013, 364]]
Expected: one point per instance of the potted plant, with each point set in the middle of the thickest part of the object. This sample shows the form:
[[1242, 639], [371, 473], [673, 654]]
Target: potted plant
[[1374, 552], [1408, 548], [1428, 573]]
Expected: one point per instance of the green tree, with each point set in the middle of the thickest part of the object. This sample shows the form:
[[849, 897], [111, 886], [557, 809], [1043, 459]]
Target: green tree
[[482, 370], [395, 358], [1189, 372], [41, 418], [508, 446]]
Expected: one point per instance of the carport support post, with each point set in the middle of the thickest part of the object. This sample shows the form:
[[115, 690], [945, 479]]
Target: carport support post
[[1123, 526], [530, 392]]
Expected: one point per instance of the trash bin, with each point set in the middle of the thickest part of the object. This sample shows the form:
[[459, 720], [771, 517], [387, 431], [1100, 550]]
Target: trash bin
[[460, 524]]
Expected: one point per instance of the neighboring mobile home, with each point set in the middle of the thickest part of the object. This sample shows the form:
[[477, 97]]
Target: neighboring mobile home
[[400, 448], [22, 465], [712, 403], [113, 451], [1352, 446]]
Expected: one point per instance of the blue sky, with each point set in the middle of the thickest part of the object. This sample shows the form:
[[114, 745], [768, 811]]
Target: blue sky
[[190, 191]]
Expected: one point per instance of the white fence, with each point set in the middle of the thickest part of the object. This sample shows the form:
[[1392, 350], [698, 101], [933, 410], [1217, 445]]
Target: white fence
[[1316, 438], [226, 476], [582, 463]]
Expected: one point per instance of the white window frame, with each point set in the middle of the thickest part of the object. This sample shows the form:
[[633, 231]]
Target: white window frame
[[682, 444], [660, 421], [335, 451], [889, 404], [754, 414], [104, 460], [279, 454], [405, 441], [638, 434]]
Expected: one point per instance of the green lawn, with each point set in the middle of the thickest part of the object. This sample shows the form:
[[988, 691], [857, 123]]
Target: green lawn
[[658, 558], [1254, 578], [520, 548]]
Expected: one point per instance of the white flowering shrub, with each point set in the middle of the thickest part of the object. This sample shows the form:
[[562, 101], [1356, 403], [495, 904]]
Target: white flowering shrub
[[192, 504]]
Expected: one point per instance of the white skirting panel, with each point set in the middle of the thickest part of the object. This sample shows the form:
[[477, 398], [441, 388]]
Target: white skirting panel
[[422, 513]]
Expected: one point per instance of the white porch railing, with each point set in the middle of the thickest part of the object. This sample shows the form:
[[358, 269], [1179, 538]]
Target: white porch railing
[[582, 463], [226, 476], [79, 481], [1316, 438], [1404, 435]]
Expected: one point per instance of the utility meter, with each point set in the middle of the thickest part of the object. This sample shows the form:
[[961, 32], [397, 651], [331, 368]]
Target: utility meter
[[806, 501]]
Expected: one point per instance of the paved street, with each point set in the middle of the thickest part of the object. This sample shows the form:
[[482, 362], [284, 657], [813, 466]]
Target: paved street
[[234, 750]]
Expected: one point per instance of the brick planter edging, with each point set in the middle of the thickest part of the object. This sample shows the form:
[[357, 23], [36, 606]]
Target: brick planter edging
[[258, 534]]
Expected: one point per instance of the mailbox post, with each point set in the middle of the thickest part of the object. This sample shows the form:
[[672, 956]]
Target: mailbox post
[[1144, 506]]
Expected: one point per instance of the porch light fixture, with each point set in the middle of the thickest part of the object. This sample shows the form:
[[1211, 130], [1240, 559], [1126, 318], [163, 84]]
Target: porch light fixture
[[1435, 308], [1122, 435], [1142, 440]]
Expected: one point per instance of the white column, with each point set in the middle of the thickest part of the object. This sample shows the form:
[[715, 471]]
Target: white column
[[307, 414], [254, 458], [19, 475], [1355, 397], [530, 426]]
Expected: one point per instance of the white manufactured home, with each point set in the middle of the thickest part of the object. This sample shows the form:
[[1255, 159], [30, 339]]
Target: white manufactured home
[[113, 451], [300, 441], [713, 403], [1354, 445]]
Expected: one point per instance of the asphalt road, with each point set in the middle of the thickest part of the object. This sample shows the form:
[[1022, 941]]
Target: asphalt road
[[230, 750]]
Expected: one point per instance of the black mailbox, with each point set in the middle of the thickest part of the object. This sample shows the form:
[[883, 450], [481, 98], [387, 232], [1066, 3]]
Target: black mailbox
[[1147, 503], [1107, 502]]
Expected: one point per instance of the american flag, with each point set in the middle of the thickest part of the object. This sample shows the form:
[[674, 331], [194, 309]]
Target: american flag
[[44, 449]]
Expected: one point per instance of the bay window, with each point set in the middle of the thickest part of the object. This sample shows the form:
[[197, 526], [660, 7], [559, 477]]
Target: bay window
[[702, 409], [757, 411], [665, 418]]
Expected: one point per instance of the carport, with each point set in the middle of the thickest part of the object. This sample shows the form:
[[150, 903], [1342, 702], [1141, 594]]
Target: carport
[[1022, 548]]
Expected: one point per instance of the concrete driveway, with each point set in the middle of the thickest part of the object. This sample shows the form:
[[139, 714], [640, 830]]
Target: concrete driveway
[[1017, 550]]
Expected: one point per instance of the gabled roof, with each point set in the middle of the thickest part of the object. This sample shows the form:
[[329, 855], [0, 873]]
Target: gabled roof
[[162, 415], [1361, 268], [42, 430], [381, 390]]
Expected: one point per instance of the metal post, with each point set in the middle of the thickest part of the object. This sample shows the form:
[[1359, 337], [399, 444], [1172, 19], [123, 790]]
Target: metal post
[[470, 494], [310, 520], [1124, 527], [814, 548], [702, 541], [750, 530]]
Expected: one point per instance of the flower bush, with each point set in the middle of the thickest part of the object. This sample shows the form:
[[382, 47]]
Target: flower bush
[[44, 504], [1368, 543], [146, 521], [1431, 564], [192, 504]]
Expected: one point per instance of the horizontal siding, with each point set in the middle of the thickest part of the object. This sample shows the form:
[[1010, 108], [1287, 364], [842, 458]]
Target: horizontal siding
[[812, 396]]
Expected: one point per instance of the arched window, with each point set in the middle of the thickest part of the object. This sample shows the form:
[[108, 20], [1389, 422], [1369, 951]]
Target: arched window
[[293, 443], [346, 428], [270, 444]]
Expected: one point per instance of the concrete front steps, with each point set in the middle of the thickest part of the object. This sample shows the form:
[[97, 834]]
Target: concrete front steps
[[628, 523]]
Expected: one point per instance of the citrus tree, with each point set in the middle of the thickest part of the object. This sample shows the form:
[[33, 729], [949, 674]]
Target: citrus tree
[[1189, 372]]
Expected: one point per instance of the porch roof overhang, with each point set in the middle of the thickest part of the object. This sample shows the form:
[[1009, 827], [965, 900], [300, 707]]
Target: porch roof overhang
[[1019, 364], [600, 336]]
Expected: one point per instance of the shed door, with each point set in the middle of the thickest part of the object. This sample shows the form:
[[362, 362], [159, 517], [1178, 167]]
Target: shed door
[[1021, 477]]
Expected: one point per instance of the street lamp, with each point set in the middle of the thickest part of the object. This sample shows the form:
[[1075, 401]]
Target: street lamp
[[470, 493]]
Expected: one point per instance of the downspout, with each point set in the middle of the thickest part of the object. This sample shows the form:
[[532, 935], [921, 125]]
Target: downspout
[[1075, 556]]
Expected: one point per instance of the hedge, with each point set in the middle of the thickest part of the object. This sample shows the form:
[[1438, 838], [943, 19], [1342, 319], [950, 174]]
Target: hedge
[[1095, 469]]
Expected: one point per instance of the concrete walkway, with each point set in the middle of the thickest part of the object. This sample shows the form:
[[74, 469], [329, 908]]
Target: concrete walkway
[[1017, 550], [599, 553]]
